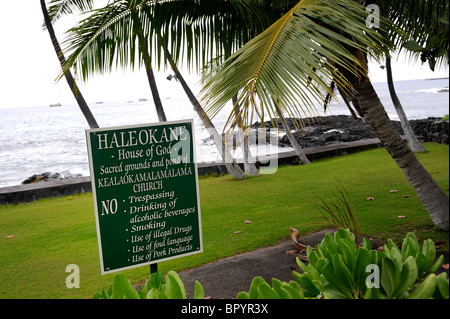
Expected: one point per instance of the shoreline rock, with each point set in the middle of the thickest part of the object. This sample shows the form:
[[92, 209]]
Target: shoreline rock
[[334, 129], [327, 130], [48, 176]]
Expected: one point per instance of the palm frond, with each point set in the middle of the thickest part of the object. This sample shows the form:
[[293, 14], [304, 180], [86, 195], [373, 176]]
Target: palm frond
[[104, 40], [59, 8], [280, 64], [193, 31], [119, 32]]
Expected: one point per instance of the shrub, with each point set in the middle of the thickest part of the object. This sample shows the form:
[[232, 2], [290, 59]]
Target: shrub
[[157, 287], [260, 289], [337, 269]]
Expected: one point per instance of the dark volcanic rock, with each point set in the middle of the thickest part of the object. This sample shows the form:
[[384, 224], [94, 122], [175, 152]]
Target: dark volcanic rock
[[47, 176], [342, 128], [431, 129]]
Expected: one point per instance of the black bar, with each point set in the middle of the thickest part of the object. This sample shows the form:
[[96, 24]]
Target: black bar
[[153, 268]]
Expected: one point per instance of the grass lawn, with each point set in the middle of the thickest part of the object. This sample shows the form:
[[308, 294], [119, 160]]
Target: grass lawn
[[53, 233]]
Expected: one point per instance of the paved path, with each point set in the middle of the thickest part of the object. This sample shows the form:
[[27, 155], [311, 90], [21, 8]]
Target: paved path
[[227, 277]]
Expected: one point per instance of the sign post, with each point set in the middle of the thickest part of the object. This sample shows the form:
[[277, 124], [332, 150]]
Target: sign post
[[146, 198]]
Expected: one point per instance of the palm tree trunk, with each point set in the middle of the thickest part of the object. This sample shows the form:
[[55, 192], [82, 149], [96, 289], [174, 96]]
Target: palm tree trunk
[[249, 165], [428, 191], [414, 143], [297, 148], [68, 75], [153, 87], [233, 169], [148, 68]]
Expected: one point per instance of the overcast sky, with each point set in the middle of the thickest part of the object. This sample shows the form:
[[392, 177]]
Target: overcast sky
[[29, 66]]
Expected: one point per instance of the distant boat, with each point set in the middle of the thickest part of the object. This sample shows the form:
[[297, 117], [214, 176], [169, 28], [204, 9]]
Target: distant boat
[[55, 105], [142, 99], [100, 102]]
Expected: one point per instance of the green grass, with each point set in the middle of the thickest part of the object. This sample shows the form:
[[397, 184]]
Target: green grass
[[52, 233]]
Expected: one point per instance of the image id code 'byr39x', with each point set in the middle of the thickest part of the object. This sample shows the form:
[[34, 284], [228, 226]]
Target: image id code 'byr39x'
[[255, 308]]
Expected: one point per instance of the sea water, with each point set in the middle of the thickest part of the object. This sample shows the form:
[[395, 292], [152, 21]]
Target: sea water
[[40, 139]]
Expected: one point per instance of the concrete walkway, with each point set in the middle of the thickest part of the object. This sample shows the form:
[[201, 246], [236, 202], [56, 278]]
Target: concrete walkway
[[225, 278]]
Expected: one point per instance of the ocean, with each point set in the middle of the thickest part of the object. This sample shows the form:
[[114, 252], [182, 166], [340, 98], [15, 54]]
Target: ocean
[[39, 139]]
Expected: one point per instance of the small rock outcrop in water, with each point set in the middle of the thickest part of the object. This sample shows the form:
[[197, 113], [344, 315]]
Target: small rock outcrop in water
[[47, 176]]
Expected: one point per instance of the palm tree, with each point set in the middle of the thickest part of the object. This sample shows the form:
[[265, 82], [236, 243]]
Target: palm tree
[[251, 18], [293, 62], [249, 165], [232, 168], [132, 34], [143, 44], [413, 142], [120, 34], [227, 28], [68, 75], [427, 26], [396, 11], [297, 148]]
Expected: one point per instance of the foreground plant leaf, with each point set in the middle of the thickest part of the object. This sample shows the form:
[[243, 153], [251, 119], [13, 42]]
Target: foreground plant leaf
[[122, 288]]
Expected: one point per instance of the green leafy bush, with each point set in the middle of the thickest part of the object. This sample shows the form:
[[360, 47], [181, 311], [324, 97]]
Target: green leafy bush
[[157, 287], [260, 289], [338, 269]]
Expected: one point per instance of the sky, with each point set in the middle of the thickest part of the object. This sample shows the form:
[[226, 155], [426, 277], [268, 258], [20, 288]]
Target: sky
[[29, 66]]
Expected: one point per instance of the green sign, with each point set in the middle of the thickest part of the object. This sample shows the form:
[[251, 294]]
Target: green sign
[[146, 198]]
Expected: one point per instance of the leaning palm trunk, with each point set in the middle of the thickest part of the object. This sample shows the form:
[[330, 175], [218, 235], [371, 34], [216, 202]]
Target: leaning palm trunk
[[428, 191], [68, 75], [153, 87], [249, 164], [233, 169], [149, 70], [297, 148], [414, 143]]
